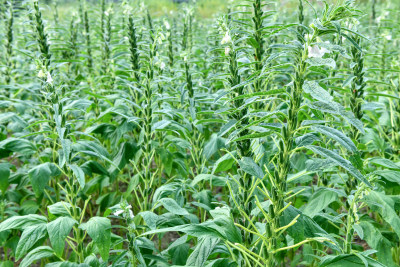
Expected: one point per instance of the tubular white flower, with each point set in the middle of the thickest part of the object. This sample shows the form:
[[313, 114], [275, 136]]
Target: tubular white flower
[[118, 212], [227, 38], [315, 51], [49, 78], [227, 50]]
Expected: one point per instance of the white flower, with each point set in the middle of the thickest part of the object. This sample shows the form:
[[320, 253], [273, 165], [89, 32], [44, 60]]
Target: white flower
[[106, 13], [227, 50], [388, 37], [126, 38], [49, 79], [315, 51], [131, 214], [167, 26], [118, 212], [378, 19], [227, 39], [162, 65], [41, 74]]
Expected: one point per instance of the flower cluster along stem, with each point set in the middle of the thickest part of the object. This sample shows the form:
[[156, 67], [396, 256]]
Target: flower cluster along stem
[[88, 41], [358, 83], [259, 51], [133, 48], [8, 43]]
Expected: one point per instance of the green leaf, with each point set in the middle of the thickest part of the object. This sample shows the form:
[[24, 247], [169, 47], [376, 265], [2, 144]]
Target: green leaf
[[150, 218], [60, 209], [22, 222], [392, 176], [337, 109], [28, 238], [224, 163], [250, 167], [384, 205], [40, 176], [99, 229], [385, 163], [36, 254], [4, 175], [226, 225], [316, 61], [346, 260], [305, 227], [345, 164], [336, 135], [173, 207], [378, 242], [213, 179], [316, 91], [79, 174], [202, 251], [216, 143], [58, 230], [319, 201], [66, 148], [17, 145]]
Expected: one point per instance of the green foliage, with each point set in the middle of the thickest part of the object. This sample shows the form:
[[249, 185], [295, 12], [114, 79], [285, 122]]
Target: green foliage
[[209, 133]]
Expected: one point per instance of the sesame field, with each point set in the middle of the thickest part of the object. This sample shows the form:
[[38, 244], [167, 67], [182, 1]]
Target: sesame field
[[208, 133]]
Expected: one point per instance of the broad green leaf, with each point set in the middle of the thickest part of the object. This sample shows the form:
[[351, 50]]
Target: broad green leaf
[[173, 207], [99, 229], [316, 61], [4, 175], [384, 205], [29, 237], [213, 179], [249, 166], [79, 174], [60, 209], [58, 230], [36, 254], [213, 146], [378, 242], [345, 164], [20, 146], [346, 260], [197, 230], [392, 176], [224, 163], [204, 248], [385, 163], [336, 135], [150, 219], [40, 176], [316, 91], [22, 222], [319, 201]]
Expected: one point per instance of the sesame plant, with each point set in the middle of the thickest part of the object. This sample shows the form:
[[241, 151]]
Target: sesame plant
[[143, 133]]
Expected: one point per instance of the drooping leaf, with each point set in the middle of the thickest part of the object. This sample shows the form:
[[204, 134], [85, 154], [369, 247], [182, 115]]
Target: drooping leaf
[[22, 222], [319, 201], [29, 238], [36, 254], [173, 207], [249, 166], [99, 229], [58, 230], [340, 161], [385, 206], [202, 251]]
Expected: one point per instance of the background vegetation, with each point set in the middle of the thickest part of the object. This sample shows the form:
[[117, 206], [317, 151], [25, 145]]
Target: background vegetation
[[213, 133]]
